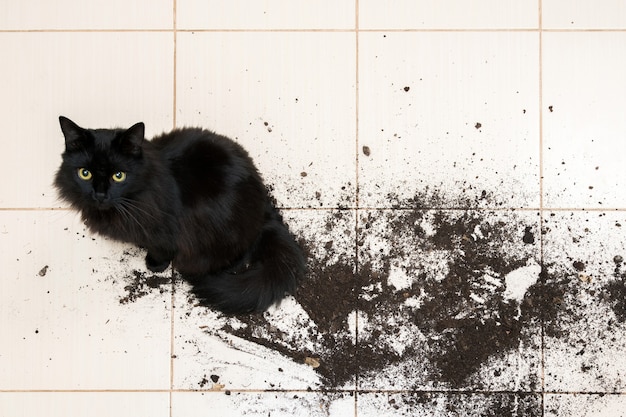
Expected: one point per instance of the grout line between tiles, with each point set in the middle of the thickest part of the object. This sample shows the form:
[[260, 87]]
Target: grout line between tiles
[[357, 201], [542, 278], [361, 208], [319, 391], [174, 68], [313, 30], [173, 284]]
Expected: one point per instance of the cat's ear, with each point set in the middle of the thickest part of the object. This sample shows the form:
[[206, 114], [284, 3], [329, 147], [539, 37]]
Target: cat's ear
[[74, 134], [131, 140]]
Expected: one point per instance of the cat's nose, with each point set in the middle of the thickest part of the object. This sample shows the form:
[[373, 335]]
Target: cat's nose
[[100, 197]]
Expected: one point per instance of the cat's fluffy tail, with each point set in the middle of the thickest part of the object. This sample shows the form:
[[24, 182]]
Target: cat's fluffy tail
[[272, 268]]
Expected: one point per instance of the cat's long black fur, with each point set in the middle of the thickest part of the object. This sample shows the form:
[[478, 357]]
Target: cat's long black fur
[[192, 198]]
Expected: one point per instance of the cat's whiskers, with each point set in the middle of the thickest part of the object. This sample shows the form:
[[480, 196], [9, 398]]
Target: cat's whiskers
[[136, 205], [129, 216]]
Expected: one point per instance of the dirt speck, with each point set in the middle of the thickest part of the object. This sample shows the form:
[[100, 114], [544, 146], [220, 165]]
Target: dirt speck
[[303, 174], [407, 88], [366, 151], [529, 237], [478, 125], [551, 108], [43, 271]]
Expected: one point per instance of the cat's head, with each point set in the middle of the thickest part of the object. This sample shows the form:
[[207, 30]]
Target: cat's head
[[100, 167]]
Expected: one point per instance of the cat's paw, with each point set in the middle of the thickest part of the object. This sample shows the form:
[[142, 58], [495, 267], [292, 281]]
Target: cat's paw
[[154, 265]]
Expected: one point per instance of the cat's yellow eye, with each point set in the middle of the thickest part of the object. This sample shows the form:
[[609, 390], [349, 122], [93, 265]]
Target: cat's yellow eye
[[84, 174], [119, 176]]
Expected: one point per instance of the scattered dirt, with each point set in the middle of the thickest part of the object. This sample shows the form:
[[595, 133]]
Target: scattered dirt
[[615, 290], [454, 298], [449, 311], [430, 291], [203, 382], [142, 284]]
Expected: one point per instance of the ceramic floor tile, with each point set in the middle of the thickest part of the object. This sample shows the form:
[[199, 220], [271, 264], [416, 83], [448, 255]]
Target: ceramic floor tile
[[584, 93], [64, 74], [93, 404], [448, 405], [584, 405], [65, 309], [585, 284], [269, 92], [273, 14], [275, 404], [454, 14], [583, 14], [305, 343], [449, 300], [452, 112], [76, 14]]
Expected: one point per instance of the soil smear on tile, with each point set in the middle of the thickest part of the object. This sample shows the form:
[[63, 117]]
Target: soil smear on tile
[[455, 300]]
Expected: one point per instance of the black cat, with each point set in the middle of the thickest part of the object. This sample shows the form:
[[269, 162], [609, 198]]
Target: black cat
[[192, 198]]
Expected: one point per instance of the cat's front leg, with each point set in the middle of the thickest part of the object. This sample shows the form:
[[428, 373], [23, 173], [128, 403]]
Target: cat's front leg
[[158, 260]]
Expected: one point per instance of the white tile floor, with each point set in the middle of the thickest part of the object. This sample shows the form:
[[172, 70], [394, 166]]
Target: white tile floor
[[432, 156]]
